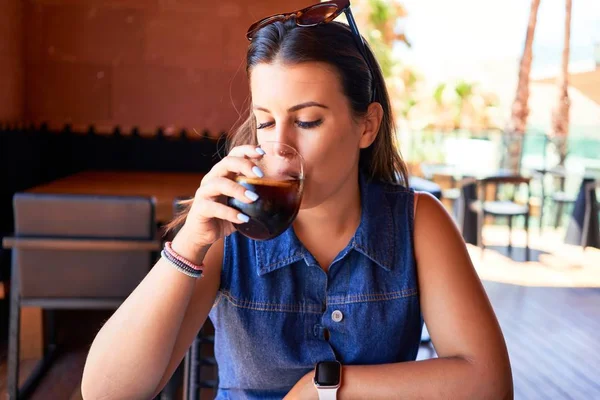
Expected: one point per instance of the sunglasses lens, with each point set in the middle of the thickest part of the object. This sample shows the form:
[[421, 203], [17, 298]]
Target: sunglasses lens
[[317, 14], [262, 23]]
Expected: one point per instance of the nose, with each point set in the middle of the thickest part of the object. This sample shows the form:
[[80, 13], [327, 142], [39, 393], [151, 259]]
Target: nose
[[284, 133]]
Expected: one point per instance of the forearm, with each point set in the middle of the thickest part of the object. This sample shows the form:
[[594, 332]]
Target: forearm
[[447, 378], [132, 350]]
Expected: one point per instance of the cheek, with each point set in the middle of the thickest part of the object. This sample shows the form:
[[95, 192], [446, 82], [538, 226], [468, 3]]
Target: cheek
[[327, 154]]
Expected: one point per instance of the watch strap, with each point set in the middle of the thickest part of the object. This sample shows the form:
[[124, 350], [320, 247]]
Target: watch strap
[[327, 394]]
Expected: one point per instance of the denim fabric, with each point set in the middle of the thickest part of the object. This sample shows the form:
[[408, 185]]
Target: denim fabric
[[278, 313]]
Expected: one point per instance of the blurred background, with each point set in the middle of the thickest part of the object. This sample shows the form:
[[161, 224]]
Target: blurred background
[[105, 102]]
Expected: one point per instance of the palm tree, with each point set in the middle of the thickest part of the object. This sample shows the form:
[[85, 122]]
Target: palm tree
[[560, 114], [520, 109]]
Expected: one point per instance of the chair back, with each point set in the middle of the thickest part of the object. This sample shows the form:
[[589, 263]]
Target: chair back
[[195, 363], [591, 225], [82, 246], [503, 187]]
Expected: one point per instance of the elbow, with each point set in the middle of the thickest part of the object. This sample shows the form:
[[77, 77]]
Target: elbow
[[502, 389], [96, 384], [506, 388], [495, 381], [91, 384], [99, 383], [89, 391]]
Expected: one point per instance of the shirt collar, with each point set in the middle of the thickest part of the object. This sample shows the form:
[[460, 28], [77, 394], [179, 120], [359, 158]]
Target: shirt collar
[[375, 237]]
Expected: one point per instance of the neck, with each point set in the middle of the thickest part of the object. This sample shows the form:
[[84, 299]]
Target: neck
[[337, 215]]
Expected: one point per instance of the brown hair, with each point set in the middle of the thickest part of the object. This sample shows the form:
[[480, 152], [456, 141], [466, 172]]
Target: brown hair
[[333, 44]]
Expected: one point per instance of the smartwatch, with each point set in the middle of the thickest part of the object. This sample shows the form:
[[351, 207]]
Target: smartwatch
[[328, 377]]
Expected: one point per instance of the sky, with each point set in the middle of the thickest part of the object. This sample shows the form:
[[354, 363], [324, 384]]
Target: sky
[[482, 41], [451, 37]]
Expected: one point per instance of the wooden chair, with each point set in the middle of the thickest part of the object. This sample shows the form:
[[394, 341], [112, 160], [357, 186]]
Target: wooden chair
[[504, 208], [74, 252]]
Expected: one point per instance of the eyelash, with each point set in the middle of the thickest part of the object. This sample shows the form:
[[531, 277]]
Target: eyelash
[[301, 124]]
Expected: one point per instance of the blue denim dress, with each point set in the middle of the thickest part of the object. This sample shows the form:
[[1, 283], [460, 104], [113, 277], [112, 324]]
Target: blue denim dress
[[278, 313]]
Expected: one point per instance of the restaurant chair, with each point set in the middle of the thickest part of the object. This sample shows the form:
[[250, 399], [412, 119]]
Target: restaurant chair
[[74, 252], [560, 195], [591, 225], [466, 218], [198, 359], [502, 206], [559, 192], [424, 185]]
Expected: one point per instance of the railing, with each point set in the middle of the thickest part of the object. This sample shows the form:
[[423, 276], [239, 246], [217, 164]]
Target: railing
[[583, 146]]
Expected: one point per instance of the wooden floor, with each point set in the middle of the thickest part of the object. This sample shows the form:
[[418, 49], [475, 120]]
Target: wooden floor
[[553, 337], [549, 311]]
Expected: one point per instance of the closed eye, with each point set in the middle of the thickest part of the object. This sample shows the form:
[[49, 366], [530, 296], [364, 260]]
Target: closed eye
[[300, 124], [310, 124], [265, 125]]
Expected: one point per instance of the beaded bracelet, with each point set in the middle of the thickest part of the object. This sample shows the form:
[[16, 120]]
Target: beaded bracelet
[[184, 260], [181, 267], [181, 263]]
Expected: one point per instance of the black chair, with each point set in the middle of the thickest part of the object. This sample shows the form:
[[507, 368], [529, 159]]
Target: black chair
[[196, 361], [557, 193], [560, 197], [74, 252], [503, 205], [591, 229], [466, 217], [424, 185]]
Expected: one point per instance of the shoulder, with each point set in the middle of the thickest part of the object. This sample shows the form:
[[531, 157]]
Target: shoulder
[[430, 213], [434, 228], [427, 202]]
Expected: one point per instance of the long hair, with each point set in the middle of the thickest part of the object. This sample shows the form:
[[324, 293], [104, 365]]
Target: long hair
[[334, 45]]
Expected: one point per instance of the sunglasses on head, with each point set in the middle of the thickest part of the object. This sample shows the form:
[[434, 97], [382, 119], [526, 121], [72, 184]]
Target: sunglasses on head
[[318, 14]]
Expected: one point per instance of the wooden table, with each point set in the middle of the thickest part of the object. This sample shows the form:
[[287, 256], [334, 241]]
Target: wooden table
[[165, 187]]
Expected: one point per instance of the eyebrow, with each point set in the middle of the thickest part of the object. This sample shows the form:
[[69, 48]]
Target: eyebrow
[[296, 107]]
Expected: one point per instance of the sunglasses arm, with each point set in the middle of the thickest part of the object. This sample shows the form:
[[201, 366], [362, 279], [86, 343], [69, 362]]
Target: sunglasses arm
[[362, 47]]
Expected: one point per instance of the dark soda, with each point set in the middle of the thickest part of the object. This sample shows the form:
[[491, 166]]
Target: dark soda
[[274, 211]]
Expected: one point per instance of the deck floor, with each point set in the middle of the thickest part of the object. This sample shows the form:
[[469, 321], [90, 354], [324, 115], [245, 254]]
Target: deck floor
[[550, 320]]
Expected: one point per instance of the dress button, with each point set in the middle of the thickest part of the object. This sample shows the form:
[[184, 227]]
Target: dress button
[[337, 316]]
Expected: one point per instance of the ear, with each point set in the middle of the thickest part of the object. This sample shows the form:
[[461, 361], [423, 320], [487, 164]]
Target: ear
[[371, 124]]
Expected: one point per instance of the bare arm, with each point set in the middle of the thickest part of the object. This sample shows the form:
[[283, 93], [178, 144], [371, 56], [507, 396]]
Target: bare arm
[[139, 347], [197, 311], [473, 361]]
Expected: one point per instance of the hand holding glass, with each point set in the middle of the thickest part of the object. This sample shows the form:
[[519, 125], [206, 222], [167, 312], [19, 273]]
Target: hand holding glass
[[280, 192]]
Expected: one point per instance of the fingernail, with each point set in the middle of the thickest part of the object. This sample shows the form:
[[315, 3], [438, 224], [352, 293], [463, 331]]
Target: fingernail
[[257, 172], [251, 195], [260, 151], [243, 217]]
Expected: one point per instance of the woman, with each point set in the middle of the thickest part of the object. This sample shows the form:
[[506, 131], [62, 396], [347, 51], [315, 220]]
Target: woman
[[365, 262]]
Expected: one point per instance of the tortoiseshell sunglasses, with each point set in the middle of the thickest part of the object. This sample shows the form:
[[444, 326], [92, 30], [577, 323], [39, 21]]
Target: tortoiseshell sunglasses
[[317, 14]]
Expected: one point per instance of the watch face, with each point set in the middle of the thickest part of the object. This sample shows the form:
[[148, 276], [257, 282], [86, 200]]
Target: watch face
[[328, 373]]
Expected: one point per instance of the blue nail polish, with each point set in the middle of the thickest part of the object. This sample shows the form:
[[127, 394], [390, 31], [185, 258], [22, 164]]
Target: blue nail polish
[[257, 172], [260, 151], [251, 195], [243, 217]]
